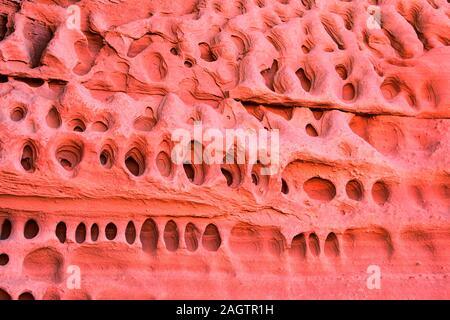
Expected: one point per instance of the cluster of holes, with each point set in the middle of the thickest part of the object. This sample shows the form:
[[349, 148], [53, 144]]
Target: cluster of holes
[[30, 229], [211, 239], [301, 242], [53, 120], [321, 189], [4, 295]]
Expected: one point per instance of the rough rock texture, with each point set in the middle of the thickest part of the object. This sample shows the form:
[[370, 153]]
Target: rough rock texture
[[85, 124]]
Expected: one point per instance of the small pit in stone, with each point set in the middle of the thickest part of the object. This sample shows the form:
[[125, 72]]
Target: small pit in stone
[[31, 229], [135, 162], [18, 113], [69, 154], [4, 259]]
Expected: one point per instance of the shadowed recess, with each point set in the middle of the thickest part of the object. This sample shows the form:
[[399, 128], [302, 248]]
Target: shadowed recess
[[149, 236], [211, 239], [171, 236]]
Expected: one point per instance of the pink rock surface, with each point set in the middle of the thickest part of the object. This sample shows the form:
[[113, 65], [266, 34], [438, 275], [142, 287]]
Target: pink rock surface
[[85, 140]]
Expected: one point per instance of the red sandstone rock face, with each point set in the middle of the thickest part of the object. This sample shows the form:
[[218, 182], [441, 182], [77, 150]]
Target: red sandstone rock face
[[85, 131]]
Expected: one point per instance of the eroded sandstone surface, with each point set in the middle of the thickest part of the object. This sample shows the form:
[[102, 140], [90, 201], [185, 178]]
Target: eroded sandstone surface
[[87, 181]]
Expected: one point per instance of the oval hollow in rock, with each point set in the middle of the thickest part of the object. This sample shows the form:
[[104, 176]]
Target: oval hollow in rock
[[130, 233], [354, 190], [53, 118], [4, 295], [164, 164], [26, 296], [149, 236], [28, 158], [331, 248], [4, 259], [135, 162], [61, 232], [80, 233], [99, 126], [191, 236], [380, 192], [284, 187], [211, 239], [348, 92], [110, 231], [69, 154], [171, 236], [298, 246], [31, 229], [311, 131], [18, 113], [95, 232], [144, 123], [194, 166], [314, 244], [5, 232], [77, 125], [44, 264], [320, 189]]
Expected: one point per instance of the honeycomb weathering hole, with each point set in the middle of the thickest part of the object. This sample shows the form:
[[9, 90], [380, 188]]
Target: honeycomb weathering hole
[[354, 190], [69, 154], [53, 118], [18, 113], [26, 296], [191, 236], [298, 246], [31, 229], [390, 88], [135, 162], [130, 233], [305, 81], [348, 92], [341, 70], [314, 244], [311, 131], [80, 233], [99, 126], [4, 295], [206, 53], [269, 75], [259, 179], [380, 192], [211, 239], [110, 231], [28, 158], [44, 264], [149, 236], [77, 125], [189, 170], [5, 232], [194, 167], [164, 164], [284, 187], [228, 176], [4, 259], [144, 123], [95, 232], [331, 248], [61, 232], [320, 189], [107, 155], [171, 236]]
